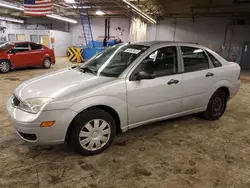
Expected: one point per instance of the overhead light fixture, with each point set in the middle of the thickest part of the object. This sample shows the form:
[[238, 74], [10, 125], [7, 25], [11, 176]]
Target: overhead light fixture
[[143, 16], [140, 12], [58, 17], [99, 13], [5, 5], [11, 20], [69, 1], [75, 6]]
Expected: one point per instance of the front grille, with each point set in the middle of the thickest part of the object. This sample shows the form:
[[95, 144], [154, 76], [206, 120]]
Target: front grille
[[26, 136], [15, 100]]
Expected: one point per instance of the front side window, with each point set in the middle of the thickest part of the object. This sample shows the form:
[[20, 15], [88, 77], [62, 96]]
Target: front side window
[[114, 60], [161, 62], [35, 46], [23, 47], [194, 59], [215, 61]]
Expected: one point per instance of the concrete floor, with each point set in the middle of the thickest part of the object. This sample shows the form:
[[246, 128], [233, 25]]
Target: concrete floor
[[179, 153]]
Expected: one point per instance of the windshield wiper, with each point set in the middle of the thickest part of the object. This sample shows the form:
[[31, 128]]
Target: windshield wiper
[[87, 69]]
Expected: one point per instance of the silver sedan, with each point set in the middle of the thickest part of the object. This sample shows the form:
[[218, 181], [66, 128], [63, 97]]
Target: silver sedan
[[123, 87]]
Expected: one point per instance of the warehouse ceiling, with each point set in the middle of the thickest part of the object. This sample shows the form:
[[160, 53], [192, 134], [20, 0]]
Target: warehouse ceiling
[[159, 9]]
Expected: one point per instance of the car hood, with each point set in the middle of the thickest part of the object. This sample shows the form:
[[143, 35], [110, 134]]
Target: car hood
[[57, 84]]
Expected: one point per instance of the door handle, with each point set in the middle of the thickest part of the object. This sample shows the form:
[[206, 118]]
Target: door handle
[[209, 74], [172, 81]]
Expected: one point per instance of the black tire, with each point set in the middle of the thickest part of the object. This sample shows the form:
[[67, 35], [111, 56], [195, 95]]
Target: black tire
[[46, 63], [214, 112], [4, 66], [80, 123]]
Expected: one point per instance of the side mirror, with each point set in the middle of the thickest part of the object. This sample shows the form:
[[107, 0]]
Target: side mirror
[[143, 75], [12, 51]]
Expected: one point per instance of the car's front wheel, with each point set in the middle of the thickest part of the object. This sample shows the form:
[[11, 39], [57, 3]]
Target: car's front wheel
[[93, 131], [216, 106], [47, 63], [4, 66]]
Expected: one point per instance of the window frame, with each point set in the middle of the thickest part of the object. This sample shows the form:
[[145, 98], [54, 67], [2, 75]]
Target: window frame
[[182, 60], [131, 76], [207, 52]]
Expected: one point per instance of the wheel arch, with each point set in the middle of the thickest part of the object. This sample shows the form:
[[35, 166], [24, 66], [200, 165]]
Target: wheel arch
[[225, 90], [106, 108]]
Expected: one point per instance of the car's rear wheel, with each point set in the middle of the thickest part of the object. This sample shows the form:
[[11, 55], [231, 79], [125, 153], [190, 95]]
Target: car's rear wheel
[[4, 66], [216, 106], [93, 132], [47, 63]]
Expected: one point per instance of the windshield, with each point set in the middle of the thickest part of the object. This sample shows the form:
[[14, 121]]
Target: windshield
[[114, 60], [4, 46]]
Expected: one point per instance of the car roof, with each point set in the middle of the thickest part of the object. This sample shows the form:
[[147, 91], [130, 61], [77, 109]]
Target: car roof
[[155, 43]]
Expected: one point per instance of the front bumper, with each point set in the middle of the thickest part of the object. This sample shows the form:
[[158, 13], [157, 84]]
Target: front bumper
[[27, 125]]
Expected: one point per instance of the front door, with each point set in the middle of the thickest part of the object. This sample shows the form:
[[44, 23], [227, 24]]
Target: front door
[[150, 99], [36, 54], [198, 78], [19, 55]]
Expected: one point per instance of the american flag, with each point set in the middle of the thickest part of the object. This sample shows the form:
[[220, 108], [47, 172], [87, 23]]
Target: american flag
[[37, 7]]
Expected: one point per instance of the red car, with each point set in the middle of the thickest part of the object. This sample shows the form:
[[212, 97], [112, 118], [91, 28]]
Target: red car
[[15, 55]]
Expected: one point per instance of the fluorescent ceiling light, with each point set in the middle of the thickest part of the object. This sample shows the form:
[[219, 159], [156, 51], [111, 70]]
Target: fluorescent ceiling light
[[140, 12], [11, 20], [143, 16], [11, 6], [69, 1], [75, 6], [58, 17], [99, 12]]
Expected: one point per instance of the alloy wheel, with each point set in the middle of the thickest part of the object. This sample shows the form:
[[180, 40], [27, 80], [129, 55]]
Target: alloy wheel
[[47, 63], [4, 66]]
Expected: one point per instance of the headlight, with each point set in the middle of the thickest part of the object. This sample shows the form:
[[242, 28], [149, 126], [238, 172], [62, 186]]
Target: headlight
[[33, 105]]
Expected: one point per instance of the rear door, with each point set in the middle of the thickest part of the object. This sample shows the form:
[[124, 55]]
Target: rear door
[[19, 55], [36, 54], [198, 77], [159, 97]]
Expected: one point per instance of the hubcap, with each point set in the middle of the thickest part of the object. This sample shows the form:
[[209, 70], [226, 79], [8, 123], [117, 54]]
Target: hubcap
[[218, 105], [4, 66], [47, 63], [94, 134]]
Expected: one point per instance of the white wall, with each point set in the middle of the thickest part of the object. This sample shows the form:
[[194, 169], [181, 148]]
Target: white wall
[[98, 28], [206, 31], [62, 42]]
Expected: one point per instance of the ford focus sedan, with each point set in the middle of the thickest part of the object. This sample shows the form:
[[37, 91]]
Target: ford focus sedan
[[14, 55], [123, 87]]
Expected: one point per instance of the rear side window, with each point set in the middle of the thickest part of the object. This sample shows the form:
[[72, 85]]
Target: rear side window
[[35, 46], [194, 59], [215, 61]]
